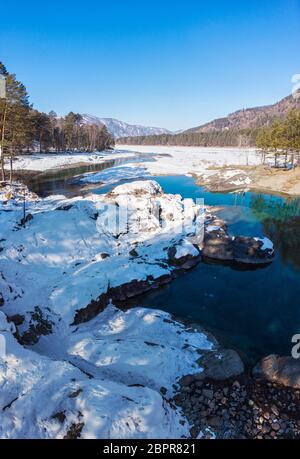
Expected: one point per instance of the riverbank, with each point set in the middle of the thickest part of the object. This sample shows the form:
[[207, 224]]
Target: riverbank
[[217, 169], [251, 178], [224, 169]]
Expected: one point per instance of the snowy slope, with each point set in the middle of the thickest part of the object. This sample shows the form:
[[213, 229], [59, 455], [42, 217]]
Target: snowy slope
[[102, 378], [63, 388], [65, 270]]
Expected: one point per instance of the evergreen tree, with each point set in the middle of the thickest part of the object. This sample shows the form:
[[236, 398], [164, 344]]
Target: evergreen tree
[[14, 117]]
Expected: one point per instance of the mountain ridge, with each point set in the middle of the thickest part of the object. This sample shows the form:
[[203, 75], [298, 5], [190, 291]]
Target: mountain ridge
[[122, 129], [238, 129], [250, 118]]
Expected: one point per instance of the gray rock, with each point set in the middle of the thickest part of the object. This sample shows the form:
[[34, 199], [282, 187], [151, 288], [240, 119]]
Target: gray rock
[[276, 426], [221, 365], [274, 410], [208, 393], [218, 245]]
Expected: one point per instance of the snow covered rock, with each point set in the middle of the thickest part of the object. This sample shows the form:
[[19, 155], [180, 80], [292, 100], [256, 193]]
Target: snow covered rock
[[134, 346], [101, 380], [75, 254], [137, 188], [266, 244], [108, 376]]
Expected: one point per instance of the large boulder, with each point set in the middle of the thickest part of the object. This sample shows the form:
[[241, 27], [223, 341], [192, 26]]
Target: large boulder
[[218, 245], [217, 365], [284, 371], [222, 364]]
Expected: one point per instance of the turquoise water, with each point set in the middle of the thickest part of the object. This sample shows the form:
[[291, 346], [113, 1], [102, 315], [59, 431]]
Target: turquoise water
[[256, 311]]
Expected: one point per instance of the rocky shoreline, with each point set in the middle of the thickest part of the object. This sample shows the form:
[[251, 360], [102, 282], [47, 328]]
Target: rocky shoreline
[[258, 178], [231, 403], [240, 408]]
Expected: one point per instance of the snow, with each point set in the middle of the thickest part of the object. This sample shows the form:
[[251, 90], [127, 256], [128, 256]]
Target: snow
[[134, 346], [69, 254], [66, 267], [115, 174], [195, 160], [36, 388], [46, 161], [168, 161], [206, 164], [103, 376], [186, 248], [267, 244], [150, 187], [211, 228]]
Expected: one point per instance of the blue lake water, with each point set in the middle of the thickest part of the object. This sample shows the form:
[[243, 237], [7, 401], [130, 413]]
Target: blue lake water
[[256, 311]]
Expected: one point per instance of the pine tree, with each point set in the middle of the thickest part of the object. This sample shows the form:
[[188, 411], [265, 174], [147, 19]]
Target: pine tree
[[15, 110]]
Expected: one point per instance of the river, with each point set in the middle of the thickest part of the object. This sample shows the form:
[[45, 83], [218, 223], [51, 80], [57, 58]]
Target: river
[[255, 311]]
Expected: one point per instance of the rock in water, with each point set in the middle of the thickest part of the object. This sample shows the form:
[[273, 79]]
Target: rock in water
[[218, 245]]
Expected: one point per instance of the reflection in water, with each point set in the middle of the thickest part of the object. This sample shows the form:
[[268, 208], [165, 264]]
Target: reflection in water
[[63, 181], [281, 223], [59, 181]]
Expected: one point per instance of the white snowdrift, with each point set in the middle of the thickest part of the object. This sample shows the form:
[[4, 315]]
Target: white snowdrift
[[44, 397], [139, 346], [195, 160]]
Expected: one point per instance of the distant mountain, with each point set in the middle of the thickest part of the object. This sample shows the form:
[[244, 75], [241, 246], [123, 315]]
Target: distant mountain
[[121, 129], [250, 118], [239, 129]]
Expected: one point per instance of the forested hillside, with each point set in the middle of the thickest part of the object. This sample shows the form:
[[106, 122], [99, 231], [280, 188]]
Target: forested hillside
[[251, 118], [239, 129], [229, 138]]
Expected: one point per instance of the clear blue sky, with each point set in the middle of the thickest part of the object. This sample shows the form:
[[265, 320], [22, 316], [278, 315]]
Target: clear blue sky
[[174, 64]]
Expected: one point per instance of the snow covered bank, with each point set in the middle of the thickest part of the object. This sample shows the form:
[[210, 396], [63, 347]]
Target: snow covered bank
[[193, 160], [104, 373], [45, 161], [108, 380], [219, 169], [167, 161], [216, 168], [73, 255], [74, 250]]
